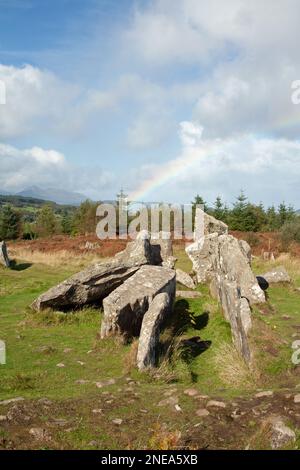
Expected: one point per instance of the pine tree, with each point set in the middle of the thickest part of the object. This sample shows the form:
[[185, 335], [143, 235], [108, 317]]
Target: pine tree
[[218, 209], [46, 224], [10, 223], [238, 213]]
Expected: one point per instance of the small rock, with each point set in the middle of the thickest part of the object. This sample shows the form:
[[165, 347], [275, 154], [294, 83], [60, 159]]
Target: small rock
[[191, 392], [188, 294], [286, 317], [105, 383], [60, 365], [68, 350], [117, 421], [144, 411], [2, 418], [168, 401], [178, 408], [217, 404], [93, 444], [267, 393], [185, 279], [40, 434], [11, 400], [80, 363], [297, 398], [45, 401], [202, 412], [281, 435], [97, 411]]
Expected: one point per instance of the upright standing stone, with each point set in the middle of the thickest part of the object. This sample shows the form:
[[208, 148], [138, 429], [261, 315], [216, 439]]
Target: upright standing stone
[[151, 327], [4, 259]]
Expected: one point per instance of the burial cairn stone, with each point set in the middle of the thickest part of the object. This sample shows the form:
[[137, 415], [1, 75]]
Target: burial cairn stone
[[225, 262], [126, 306], [96, 282], [159, 308], [4, 259]]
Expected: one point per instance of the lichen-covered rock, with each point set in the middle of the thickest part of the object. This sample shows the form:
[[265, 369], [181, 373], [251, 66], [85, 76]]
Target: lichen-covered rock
[[280, 434], [206, 224], [4, 259], [159, 308], [277, 275], [202, 253], [96, 282], [233, 264], [126, 306], [185, 279]]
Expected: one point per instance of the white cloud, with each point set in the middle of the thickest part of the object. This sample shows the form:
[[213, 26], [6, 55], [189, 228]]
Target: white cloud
[[246, 54], [268, 168], [39, 101], [20, 168]]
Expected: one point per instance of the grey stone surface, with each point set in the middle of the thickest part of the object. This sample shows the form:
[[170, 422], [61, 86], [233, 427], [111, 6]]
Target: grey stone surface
[[97, 281], [159, 308], [185, 279], [4, 259], [126, 306], [281, 434], [277, 275], [202, 253]]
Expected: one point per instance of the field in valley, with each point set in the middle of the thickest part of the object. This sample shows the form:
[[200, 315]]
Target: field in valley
[[82, 392]]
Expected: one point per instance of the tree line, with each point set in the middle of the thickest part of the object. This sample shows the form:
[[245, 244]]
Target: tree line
[[242, 216]]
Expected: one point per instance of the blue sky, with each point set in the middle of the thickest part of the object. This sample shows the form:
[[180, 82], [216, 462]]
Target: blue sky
[[102, 94]]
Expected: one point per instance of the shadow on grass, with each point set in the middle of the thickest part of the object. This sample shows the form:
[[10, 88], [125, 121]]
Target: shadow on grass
[[19, 266], [175, 343]]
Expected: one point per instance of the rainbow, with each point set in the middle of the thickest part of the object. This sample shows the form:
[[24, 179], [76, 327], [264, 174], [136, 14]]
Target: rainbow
[[168, 172]]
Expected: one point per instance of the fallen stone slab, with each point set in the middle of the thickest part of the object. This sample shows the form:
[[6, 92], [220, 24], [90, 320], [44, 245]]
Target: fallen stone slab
[[151, 326], [4, 259], [96, 282], [185, 279], [126, 306], [277, 275]]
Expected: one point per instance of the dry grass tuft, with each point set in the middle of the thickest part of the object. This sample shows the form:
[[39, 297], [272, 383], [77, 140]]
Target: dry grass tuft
[[54, 259], [129, 360], [163, 439], [233, 370]]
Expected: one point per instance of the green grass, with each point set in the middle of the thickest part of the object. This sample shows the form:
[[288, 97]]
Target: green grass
[[36, 343]]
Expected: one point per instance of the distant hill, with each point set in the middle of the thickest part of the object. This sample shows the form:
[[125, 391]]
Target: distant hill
[[60, 196]]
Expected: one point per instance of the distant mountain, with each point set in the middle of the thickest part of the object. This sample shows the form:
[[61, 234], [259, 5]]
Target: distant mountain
[[60, 196]]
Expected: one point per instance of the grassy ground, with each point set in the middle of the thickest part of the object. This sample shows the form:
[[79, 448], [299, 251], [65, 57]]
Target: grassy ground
[[60, 357]]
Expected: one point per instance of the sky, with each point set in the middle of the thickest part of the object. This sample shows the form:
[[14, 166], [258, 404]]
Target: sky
[[164, 98]]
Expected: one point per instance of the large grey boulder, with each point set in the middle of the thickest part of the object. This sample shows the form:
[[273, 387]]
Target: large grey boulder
[[277, 275], [203, 253], [185, 279], [153, 319], [126, 306], [96, 282], [4, 259], [233, 264]]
